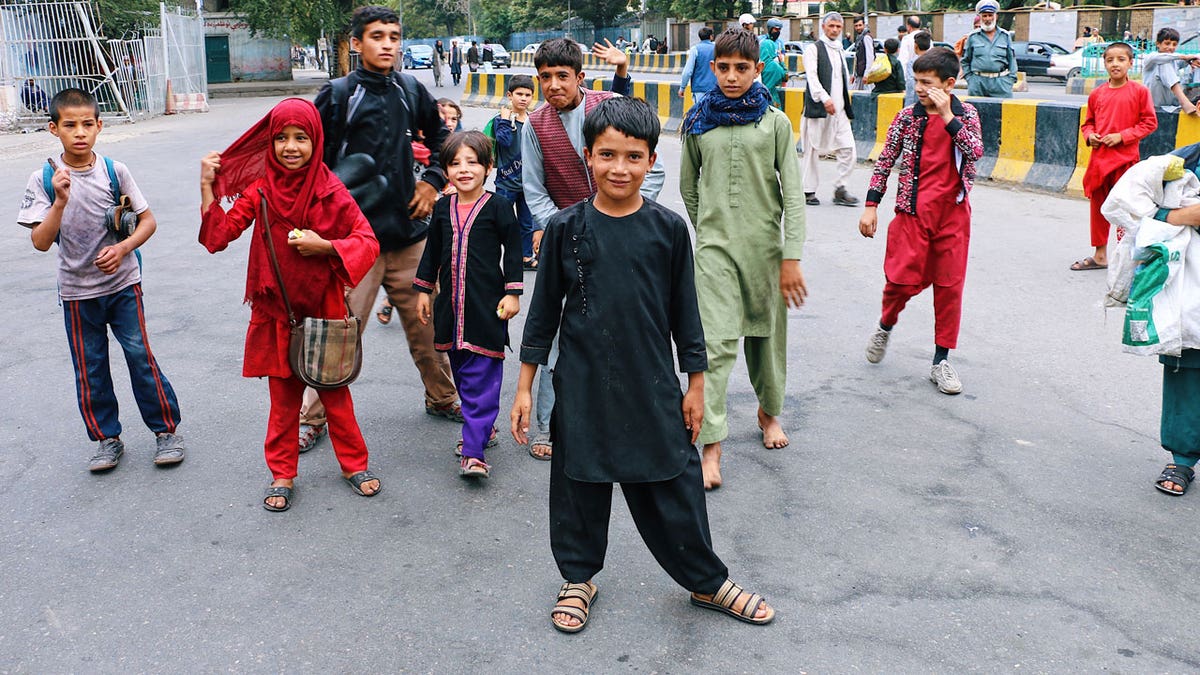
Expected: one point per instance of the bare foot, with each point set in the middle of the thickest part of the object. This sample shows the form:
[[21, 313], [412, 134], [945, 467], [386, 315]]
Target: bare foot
[[280, 502], [710, 464], [772, 431]]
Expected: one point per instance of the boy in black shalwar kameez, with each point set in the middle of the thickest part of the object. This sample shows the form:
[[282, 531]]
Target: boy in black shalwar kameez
[[616, 272]]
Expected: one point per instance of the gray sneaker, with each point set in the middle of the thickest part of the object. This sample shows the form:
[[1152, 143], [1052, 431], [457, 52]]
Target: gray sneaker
[[877, 345], [169, 449], [943, 375], [107, 456], [843, 198]]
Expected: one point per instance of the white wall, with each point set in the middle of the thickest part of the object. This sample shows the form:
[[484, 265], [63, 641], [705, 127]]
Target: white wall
[[885, 26], [1186, 20], [957, 25], [1057, 27]]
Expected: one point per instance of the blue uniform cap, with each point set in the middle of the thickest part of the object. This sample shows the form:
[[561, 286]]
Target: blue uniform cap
[[987, 6]]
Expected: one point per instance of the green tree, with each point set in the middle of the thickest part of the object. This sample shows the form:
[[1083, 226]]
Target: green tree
[[123, 18], [599, 12], [699, 9], [298, 20], [539, 14]]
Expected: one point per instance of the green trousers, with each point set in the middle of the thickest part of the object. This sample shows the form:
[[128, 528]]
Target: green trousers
[[1180, 429], [766, 359], [996, 87]]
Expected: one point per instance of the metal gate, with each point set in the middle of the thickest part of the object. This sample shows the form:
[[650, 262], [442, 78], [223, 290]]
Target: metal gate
[[49, 46], [183, 57]]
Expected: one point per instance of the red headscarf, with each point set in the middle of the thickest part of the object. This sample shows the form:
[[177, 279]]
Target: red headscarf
[[252, 156], [292, 201]]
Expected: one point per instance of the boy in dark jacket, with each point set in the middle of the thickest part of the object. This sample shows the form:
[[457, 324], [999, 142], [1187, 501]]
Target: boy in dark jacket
[[370, 118], [893, 83]]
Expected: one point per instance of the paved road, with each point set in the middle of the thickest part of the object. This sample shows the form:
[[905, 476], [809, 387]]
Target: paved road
[[1012, 528]]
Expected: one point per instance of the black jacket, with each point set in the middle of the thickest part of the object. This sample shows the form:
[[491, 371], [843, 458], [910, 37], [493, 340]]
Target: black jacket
[[376, 120]]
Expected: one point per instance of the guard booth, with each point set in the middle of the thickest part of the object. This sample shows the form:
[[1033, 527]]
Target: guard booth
[[216, 58]]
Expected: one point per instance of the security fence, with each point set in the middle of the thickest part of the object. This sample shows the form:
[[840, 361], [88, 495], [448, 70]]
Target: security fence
[[50, 45]]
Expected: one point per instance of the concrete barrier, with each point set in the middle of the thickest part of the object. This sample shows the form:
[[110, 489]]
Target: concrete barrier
[[1026, 142], [640, 63]]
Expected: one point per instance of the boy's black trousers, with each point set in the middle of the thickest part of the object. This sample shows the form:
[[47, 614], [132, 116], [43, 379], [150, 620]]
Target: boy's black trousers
[[670, 515]]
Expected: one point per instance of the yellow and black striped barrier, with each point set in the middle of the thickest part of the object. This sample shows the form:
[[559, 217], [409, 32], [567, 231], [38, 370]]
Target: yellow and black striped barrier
[[641, 63], [1026, 142]]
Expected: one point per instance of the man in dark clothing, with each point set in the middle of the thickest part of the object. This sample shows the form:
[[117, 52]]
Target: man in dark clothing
[[455, 62], [370, 118], [473, 56], [864, 53]]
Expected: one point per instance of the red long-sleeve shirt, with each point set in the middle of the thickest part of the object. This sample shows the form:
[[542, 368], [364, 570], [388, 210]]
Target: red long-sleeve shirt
[[1126, 110]]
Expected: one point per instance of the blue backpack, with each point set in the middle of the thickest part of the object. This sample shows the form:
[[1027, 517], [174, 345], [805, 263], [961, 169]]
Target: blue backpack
[[113, 181]]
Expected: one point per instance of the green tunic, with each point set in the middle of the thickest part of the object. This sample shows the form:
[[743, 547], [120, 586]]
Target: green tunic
[[737, 183]]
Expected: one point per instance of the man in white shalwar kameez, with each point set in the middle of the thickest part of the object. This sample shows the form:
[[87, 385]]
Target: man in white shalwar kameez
[[827, 112]]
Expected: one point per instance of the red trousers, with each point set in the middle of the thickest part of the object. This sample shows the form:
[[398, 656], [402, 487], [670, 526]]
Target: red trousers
[[928, 250], [1100, 225], [283, 428]]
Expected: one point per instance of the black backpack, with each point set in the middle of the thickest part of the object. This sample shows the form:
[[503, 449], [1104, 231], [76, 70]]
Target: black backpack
[[341, 90]]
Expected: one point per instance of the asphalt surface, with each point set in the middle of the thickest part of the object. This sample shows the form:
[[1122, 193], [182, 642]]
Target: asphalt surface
[[1011, 528]]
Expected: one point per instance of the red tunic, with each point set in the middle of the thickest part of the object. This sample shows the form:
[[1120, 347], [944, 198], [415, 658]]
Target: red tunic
[[1126, 110], [268, 335]]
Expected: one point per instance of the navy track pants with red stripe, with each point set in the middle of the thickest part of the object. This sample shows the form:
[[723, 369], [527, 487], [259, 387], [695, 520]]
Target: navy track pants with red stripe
[[88, 322]]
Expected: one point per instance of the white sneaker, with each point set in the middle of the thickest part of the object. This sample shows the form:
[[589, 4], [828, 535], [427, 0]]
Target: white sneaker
[[943, 375], [877, 345]]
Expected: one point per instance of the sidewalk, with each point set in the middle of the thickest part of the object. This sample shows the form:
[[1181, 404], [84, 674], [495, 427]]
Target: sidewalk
[[304, 82]]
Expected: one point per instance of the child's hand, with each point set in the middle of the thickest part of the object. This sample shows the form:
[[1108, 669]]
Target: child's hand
[[537, 241], [508, 307], [522, 404], [1111, 140], [210, 164], [449, 189], [693, 410], [61, 182], [1094, 140], [610, 54], [422, 202], [791, 283], [505, 112], [311, 244], [868, 222], [423, 308], [941, 102], [109, 260]]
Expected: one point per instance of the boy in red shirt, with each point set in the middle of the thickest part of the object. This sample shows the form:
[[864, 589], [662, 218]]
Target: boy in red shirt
[[1119, 115], [935, 144]]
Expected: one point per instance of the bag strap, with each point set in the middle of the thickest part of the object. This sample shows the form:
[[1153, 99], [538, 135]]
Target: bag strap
[[113, 181], [265, 226]]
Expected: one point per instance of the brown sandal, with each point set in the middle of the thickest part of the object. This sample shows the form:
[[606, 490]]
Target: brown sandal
[[587, 592], [727, 596]]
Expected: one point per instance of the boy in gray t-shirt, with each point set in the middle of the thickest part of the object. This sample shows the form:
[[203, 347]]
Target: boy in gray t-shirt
[[99, 279]]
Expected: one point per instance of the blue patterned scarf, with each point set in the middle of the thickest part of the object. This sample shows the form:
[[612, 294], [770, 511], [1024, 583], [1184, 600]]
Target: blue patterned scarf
[[715, 110]]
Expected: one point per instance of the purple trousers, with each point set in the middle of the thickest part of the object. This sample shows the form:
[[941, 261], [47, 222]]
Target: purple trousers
[[478, 379]]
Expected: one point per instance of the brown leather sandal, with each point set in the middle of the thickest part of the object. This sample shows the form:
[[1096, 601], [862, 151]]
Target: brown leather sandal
[[586, 592], [728, 595]]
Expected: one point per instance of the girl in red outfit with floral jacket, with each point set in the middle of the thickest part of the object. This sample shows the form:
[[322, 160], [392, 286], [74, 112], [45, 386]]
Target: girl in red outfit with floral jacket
[[936, 143], [275, 158]]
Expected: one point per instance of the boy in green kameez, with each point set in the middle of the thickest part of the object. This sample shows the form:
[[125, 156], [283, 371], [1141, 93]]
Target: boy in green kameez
[[739, 177]]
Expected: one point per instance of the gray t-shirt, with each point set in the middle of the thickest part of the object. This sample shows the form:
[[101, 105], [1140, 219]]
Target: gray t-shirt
[[82, 234]]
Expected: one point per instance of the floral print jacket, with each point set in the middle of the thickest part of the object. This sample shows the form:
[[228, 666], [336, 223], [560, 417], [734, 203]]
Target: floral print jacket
[[904, 144]]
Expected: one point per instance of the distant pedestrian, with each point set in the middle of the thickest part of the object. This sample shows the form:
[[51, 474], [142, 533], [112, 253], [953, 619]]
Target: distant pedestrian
[[322, 242], [740, 182], [989, 61], [864, 54], [505, 130], [439, 60], [893, 83], [697, 70], [473, 56], [922, 41], [455, 62], [79, 207], [480, 281], [825, 126], [935, 144], [1119, 115]]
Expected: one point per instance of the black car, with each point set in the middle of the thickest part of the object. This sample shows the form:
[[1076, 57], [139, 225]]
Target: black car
[[1033, 58]]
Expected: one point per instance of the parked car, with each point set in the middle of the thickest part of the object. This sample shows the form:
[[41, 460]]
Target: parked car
[[531, 48], [500, 56], [1066, 66], [418, 56], [1033, 58]]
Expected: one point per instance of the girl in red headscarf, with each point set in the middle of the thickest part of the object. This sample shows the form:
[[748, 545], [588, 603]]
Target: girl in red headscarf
[[277, 156]]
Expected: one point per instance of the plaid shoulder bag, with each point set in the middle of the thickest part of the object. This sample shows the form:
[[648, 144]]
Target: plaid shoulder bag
[[323, 353]]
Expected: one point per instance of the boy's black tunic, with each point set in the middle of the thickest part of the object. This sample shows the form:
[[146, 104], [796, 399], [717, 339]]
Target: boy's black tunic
[[623, 288], [464, 311]]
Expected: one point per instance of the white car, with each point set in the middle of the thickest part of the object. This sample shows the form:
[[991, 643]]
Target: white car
[[531, 48], [1066, 66]]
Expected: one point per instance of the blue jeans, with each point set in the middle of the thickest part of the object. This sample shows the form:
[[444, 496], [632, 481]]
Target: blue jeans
[[524, 217], [545, 392], [88, 323]]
